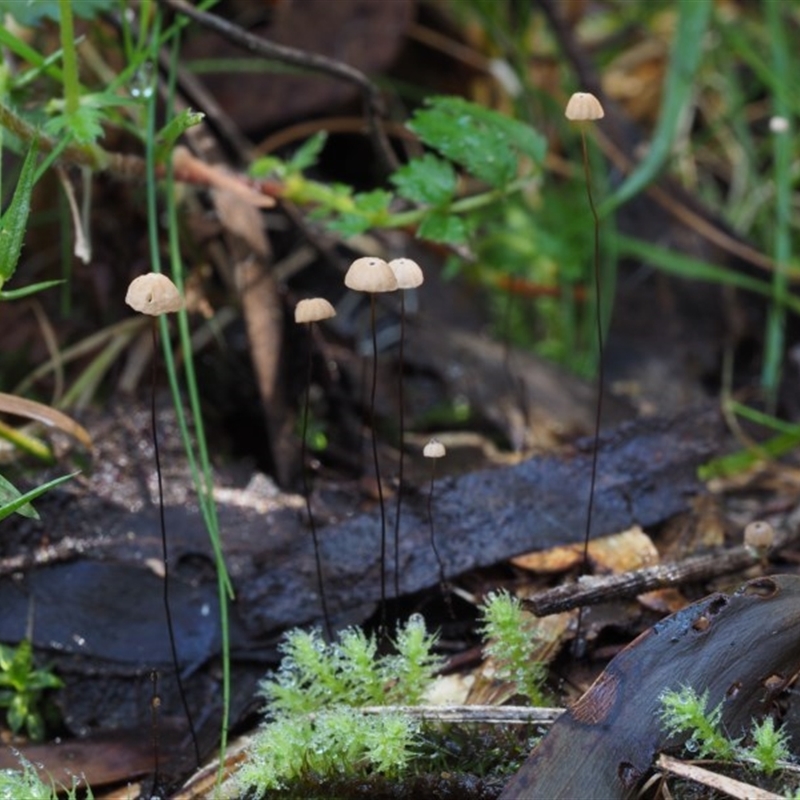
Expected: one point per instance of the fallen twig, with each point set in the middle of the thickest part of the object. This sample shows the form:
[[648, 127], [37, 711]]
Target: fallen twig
[[705, 777], [592, 590], [314, 62]]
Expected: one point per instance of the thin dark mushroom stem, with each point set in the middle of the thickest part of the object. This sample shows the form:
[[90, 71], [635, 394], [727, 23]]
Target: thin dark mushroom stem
[[581, 108], [401, 404], [307, 495], [376, 461], [164, 551]]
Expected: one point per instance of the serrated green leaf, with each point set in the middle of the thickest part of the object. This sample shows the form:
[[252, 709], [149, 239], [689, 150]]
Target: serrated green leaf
[[14, 222], [31, 12], [306, 155], [372, 203], [348, 225], [486, 143], [83, 124], [428, 180], [441, 227]]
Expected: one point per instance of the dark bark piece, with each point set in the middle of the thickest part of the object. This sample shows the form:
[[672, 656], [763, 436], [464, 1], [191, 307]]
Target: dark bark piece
[[106, 619], [741, 648]]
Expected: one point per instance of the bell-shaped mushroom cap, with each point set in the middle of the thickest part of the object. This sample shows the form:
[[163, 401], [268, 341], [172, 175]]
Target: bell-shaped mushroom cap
[[153, 294], [313, 310], [370, 274], [584, 106], [759, 536], [434, 449], [408, 273]]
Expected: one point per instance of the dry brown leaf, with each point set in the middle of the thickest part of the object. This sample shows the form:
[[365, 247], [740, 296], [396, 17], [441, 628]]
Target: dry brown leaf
[[30, 409]]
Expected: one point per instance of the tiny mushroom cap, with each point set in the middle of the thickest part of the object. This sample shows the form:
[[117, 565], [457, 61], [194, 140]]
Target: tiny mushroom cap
[[434, 449], [408, 273], [313, 310], [583, 106], [370, 274], [153, 294], [759, 536]]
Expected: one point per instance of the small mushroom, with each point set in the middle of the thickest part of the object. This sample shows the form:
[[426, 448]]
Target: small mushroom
[[154, 294], [407, 273], [370, 274], [313, 309], [434, 449], [759, 536], [584, 106]]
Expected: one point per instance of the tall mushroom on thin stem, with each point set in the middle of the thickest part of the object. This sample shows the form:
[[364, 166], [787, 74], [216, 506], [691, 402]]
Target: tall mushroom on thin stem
[[307, 312], [374, 275], [409, 276], [155, 294], [584, 107]]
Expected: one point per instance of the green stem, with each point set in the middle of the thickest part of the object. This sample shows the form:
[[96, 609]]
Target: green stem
[[89, 155], [72, 87]]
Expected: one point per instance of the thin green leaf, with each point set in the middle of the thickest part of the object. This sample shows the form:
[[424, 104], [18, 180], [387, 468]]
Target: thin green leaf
[[27, 291], [306, 155], [694, 269], [9, 508], [175, 128], [782, 148], [32, 12], [428, 180], [14, 222], [693, 19], [9, 493]]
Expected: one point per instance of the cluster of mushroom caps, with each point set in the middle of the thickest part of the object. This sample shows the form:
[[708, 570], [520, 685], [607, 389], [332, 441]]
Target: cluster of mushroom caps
[[368, 274]]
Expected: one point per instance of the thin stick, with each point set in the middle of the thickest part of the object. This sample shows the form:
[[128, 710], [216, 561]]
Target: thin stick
[[164, 554], [306, 491], [315, 62], [595, 590]]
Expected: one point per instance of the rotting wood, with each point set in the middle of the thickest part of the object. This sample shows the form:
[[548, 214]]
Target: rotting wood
[[732, 646]]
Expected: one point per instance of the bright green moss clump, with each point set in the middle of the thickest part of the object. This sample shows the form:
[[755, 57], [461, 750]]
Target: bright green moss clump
[[315, 727]]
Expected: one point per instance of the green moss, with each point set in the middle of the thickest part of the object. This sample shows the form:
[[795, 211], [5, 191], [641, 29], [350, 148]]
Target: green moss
[[316, 729], [511, 641]]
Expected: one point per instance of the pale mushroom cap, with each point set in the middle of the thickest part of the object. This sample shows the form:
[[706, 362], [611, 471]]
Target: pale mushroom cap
[[434, 449], [584, 106], [153, 294], [759, 535], [408, 273], [313, 310], [370, 274]]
